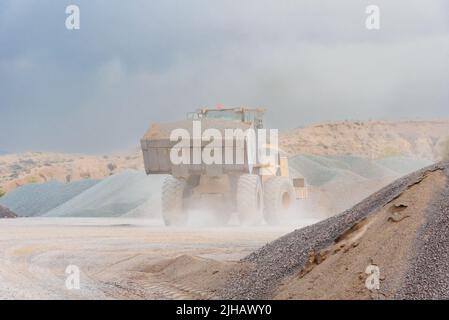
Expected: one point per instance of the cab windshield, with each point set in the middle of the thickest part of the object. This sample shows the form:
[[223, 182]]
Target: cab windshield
[[223, 115]]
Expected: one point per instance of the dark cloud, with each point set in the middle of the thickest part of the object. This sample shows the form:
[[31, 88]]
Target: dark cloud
[[132, 63]]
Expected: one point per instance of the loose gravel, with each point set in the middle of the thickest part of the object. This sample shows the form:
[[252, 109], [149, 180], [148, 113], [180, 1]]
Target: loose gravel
[[289, 254], [428, 275]]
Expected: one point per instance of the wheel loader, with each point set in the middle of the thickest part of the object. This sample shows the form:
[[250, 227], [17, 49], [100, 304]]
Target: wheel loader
[[254, 188]]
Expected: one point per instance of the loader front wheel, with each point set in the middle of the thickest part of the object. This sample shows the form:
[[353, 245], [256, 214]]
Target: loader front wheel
[[173, 201], [279, 199], [249, 199]]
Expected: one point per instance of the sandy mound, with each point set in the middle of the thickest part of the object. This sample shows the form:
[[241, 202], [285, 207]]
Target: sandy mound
[[402, 230], [195, 275], [6, 213]]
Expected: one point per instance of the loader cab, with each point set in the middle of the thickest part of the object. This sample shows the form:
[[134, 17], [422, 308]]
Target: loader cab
[[254, 116]]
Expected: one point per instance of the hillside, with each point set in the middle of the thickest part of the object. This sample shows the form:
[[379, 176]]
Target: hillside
[[370, 139], [38, 167]]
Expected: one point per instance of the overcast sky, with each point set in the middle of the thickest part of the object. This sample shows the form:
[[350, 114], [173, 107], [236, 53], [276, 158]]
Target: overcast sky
[[134, 62]]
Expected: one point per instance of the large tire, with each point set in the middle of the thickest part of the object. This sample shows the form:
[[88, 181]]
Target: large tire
[[279, 199], [250, 199], [173, 211]]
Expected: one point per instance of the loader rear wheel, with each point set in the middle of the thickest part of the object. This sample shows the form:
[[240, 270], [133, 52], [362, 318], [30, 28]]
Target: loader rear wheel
[[279, 199], [249, 199], [173, 201]]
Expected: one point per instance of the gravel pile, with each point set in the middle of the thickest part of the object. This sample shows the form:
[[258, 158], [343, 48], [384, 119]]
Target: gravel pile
[[130, 192], [114, 196], [37, 199], [289, 254], [321, 170], [428, 276], [403, 165]]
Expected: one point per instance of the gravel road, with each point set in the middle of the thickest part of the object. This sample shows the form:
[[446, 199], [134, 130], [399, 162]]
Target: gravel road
[[110, 254]]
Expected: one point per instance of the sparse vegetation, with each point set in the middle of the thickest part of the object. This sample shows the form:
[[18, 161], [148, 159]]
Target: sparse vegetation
[[390, 151], [27, 162], [2, 193], [85, 174], [15, 167], [112, 166], [32, 179]]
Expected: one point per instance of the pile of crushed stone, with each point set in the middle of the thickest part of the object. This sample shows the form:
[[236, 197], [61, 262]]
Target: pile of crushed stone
[[129, 193], [337, 183], [37, 199], [322, 170], [402, 230], [6, 213], [126, 192]]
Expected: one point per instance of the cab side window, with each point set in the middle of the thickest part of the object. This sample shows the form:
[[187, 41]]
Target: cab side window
[[249, 117]]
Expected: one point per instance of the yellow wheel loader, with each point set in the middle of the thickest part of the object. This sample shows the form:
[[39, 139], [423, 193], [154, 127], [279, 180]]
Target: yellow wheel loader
[[216, 159]]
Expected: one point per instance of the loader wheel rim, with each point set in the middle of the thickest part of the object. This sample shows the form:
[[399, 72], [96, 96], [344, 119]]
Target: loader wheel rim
[[285, 200]]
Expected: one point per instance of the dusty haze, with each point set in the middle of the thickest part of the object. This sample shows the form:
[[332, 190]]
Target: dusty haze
[[97, 89]]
